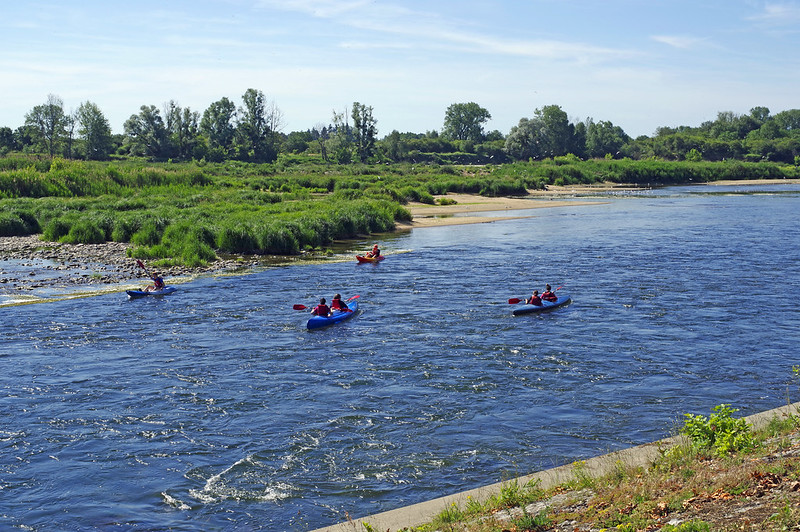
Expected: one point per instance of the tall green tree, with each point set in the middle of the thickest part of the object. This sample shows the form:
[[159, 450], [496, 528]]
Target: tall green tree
[[604, 138], [94, 130], [183, 129], [364, 130], [527, 140], [6, 140], [464, 121], [789, 122], [557, 131], [547, 134], [321, 134], [49, 123], [253, 132], [146, 133], [218, 127], [340, 144]]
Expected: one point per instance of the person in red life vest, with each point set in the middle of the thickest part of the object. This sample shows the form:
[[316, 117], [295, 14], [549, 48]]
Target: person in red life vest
[[548, 294], [322, 309], [375, 253], [158, 283], [534, 299], [338, 304]]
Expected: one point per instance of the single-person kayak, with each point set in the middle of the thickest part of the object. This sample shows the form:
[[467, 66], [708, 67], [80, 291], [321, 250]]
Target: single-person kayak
[[142, 293], [546, 305], [337, 316], [379, 258]]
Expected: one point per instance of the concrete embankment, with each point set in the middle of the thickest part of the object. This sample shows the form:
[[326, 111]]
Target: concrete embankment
[[424, 512]]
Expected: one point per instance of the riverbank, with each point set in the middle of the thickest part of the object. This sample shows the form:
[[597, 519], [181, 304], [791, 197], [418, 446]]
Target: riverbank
[[32, 263], [40, 264], [458, 207], [28, 263], [664, 485]]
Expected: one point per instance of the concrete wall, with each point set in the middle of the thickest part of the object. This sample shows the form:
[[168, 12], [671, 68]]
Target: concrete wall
[[424, 512]]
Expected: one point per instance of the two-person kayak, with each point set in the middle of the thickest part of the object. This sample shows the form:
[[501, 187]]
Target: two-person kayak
[[562, 300], [142, 293], [337, 316]]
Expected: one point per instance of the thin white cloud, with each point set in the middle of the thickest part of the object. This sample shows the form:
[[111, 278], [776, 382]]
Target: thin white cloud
[[682, 42], [430, 30], [778, 14]]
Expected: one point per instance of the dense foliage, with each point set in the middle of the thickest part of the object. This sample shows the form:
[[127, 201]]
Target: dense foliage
[[251, 132]]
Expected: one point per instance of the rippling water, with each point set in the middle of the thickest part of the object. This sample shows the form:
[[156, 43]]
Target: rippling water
[[215, 409]]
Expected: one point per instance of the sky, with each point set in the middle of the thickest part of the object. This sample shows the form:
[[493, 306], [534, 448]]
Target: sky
[[640, 64]]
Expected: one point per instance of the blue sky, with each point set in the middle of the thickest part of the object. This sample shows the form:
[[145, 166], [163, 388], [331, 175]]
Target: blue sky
[[640, 64]]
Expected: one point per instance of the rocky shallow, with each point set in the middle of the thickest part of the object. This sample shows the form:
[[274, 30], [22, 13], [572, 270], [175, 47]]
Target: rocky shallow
[[28, 263]]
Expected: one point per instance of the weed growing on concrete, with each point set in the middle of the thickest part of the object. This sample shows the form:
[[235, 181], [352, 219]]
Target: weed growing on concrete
[[720, 432]]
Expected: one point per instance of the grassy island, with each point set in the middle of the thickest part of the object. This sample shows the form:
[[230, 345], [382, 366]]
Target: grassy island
[[189, 212]]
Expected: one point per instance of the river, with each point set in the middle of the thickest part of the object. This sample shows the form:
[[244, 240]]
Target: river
[[215, 409]]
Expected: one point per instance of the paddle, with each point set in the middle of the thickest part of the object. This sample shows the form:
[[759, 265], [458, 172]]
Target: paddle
[[298, 306], [515, 300], [142, 266]]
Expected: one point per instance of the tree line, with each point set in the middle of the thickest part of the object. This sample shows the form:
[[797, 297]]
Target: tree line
[[252, 131]]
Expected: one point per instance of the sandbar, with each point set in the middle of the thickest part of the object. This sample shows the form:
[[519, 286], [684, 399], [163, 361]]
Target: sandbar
[[425, 215]]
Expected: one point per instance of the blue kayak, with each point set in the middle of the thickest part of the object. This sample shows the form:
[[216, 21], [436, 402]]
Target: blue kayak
[[142, 293], [337, 316], [546, 305]]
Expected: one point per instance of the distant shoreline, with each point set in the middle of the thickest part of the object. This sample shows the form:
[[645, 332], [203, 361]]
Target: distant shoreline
[[425, 215]]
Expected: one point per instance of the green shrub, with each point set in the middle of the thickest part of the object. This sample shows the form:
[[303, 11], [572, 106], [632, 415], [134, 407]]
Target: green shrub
[[85, 231], [123, 229], [278, 240], [720, 433], [11, 225], [236, 240], [191, 243], [55, 229], [149, 234]]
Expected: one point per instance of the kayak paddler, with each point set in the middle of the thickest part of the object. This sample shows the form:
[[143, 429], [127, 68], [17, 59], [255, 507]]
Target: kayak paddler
[[338, 304], [548, 294], [534, 299], [158, 283], [322, 309]]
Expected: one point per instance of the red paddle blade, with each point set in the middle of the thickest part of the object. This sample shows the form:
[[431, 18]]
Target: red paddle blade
[[514, 301], [299, 307], [354, 297]]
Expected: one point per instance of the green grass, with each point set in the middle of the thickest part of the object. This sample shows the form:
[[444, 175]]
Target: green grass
[[284, 207], [644, 498]]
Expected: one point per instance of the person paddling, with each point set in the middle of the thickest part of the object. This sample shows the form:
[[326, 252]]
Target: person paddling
[[375, 253], [534, 299], [322, 309], [338, 304], [548, 294], [158, 283]]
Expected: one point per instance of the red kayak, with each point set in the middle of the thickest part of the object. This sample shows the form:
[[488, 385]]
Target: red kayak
[[359, 258]]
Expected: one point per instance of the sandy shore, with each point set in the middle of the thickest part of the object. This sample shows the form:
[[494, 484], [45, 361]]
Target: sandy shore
[[439, 215]]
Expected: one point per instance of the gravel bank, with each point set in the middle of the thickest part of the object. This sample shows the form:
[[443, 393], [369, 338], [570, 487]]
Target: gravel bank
[[28, 263]]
